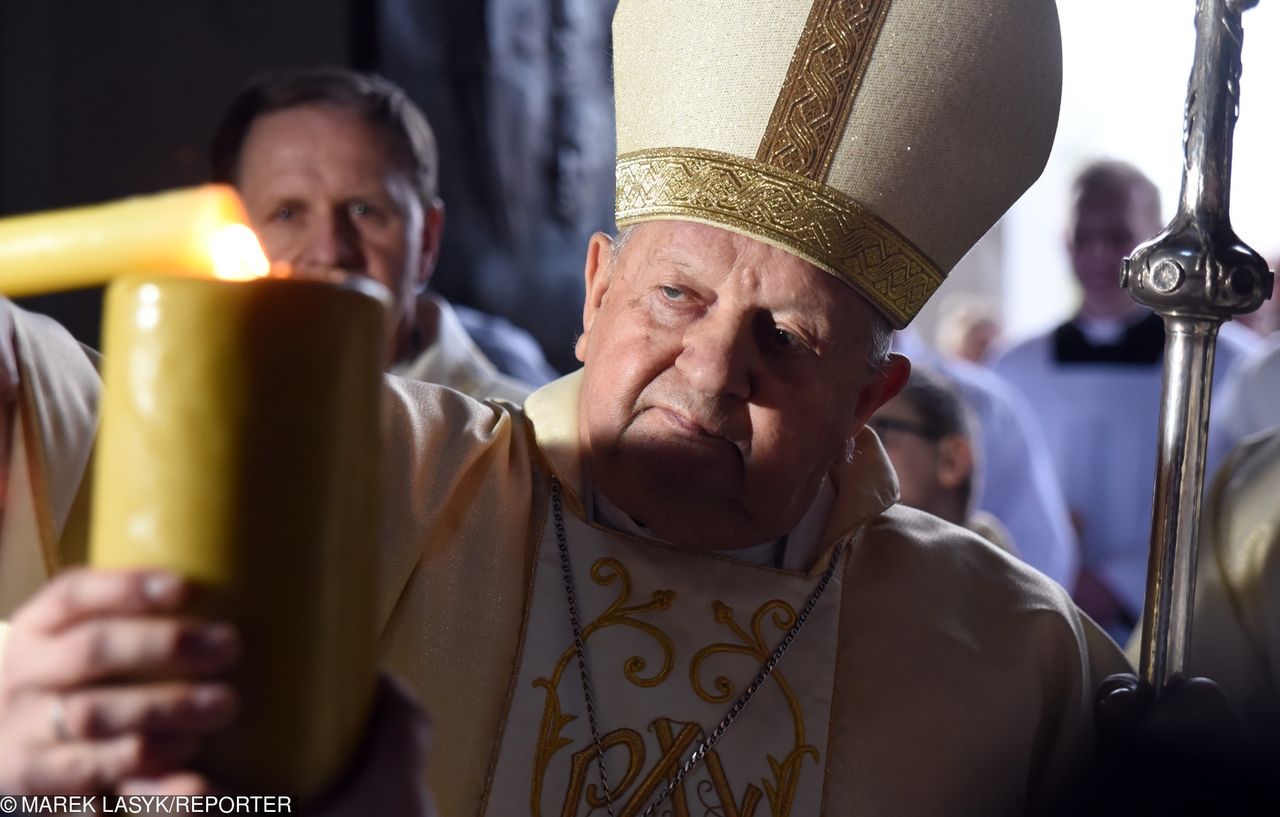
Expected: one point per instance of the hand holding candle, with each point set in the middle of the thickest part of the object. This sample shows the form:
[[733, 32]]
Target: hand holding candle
[[238, 448], [62, 731]]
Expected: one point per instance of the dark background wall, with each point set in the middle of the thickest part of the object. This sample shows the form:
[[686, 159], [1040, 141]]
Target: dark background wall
[[100, 100], [520, 95]]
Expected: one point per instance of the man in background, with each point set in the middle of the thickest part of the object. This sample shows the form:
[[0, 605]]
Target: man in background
[[339, 170], [1094, 383], [927, 433], [1016, 483]]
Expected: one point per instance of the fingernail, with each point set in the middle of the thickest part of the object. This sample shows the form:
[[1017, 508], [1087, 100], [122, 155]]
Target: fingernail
[[211, 697], [219, 638], [212, 641], [162, 587]]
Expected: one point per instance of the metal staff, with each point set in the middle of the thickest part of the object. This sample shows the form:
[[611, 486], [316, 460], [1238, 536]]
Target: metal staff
[[1195, 274]]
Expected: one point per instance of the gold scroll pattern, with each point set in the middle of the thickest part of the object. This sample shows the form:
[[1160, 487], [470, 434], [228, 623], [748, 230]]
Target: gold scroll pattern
[[754, 645], [816, 222], [809, 116], [633, 793]]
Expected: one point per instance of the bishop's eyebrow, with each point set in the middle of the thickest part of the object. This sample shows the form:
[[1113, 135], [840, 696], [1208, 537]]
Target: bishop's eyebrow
[[666, 258], [802, 320]]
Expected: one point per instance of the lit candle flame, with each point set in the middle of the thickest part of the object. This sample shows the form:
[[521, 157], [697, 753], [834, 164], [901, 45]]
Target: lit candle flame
[[237, 255]]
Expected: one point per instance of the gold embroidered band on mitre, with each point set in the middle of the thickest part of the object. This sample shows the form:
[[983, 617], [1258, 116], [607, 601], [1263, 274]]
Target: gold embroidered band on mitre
[[806, 218], [812, 109]]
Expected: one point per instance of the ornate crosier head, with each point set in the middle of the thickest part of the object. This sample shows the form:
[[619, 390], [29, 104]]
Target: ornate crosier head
[[877, 140]]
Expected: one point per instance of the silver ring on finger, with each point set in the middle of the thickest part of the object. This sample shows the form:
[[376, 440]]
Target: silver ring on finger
[[58, 720]]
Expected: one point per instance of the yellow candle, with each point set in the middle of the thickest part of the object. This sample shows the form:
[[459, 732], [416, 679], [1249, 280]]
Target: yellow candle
[[166, 233], [239, 447]]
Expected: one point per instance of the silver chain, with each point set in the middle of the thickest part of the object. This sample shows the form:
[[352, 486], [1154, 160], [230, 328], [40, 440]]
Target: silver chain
[[766, 669]]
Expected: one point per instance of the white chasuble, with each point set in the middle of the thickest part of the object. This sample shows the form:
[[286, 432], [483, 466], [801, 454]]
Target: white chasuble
[[672, 639]]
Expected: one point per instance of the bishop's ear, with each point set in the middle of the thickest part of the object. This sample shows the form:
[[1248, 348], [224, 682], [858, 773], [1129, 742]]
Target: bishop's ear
[[882, 386], [595, 273]]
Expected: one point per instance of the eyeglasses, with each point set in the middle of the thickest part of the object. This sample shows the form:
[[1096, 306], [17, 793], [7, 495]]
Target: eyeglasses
[[882, 424]]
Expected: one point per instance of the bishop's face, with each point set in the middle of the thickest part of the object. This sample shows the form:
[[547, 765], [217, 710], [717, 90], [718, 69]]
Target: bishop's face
[[723, 377]]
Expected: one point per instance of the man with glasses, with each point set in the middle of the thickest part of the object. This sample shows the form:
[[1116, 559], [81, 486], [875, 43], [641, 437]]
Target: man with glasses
[[928, 434]]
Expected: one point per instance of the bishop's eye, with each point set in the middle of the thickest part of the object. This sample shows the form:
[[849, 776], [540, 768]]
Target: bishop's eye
[[784, 339], [672, 293]]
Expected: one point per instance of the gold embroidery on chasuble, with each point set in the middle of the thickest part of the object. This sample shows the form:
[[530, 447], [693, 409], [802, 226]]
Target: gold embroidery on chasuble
[[672, 640]]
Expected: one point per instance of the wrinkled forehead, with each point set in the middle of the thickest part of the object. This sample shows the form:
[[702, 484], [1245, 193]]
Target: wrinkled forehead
[[712, 253]]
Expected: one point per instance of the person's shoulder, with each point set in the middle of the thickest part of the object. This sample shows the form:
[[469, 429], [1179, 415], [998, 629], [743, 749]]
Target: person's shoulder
[[60, 372], [34, 331], [1240, 341], [1030, 351], [419, 406], [511, 349], [967, 374], [1253, 464], [956, 566], [951, 586], [440, 446], [989, 527], [1263, 358], [988, 391], [507, 390], [1251, 391]]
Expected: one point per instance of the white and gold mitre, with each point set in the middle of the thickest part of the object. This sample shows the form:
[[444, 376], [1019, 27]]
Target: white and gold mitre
[[876, 139]]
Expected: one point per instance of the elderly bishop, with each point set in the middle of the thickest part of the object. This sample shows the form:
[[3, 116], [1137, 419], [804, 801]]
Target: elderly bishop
[[678, 581]]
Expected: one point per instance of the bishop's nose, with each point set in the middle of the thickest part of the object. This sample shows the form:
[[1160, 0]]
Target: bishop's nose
[[717, 354]]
